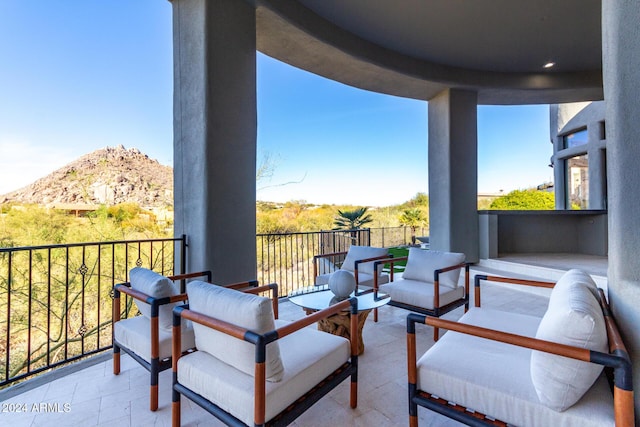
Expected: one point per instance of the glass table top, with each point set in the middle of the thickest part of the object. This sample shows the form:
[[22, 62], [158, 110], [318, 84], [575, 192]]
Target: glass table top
[[320, 297]]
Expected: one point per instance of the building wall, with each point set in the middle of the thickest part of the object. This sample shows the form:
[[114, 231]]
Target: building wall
[[567, 119]]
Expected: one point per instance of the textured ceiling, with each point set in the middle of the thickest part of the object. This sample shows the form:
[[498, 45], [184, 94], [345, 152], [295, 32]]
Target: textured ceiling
[[489, 35], [417, 48]]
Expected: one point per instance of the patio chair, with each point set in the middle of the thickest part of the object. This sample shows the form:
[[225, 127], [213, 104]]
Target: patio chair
[[358, 260], [251, 370], [147, 338], [429, 283]]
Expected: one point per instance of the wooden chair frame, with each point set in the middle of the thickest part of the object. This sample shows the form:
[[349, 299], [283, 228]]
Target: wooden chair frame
[[317, 257], [437, 309], [617, 360], [156, 365], [349, 369]]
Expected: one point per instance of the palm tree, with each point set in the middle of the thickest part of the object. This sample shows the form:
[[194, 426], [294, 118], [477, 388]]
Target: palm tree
[[352, 220], [413, 218]]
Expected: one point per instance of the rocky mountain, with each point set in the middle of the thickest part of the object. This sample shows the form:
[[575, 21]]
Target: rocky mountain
[[108, 176]]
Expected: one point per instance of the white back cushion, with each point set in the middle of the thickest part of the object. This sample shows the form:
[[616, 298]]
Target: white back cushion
[[422, 263], [362, 252], [574, 317], [245, 310], [157, 286]]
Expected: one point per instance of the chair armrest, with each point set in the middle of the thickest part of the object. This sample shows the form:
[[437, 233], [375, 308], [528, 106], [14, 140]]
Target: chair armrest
[[247, 335], [241, 286], [155, 303], [511, 280], [436, 280], [390, 260], [141, 296], [317, 257], [329, 254], [318, 315], [185, 276], [126, 288], [360, 261], [191, 275]]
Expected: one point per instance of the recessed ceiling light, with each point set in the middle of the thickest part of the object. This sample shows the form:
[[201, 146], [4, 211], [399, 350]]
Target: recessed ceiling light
[[549, 65]]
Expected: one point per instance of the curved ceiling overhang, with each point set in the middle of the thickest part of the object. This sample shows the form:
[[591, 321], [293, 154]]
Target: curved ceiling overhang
[[292, 33]]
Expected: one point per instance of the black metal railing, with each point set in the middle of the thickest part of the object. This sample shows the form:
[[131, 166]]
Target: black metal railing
[[55, 300], [287, 258]]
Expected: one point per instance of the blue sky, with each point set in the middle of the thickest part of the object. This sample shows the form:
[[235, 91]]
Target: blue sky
[[77, 76]]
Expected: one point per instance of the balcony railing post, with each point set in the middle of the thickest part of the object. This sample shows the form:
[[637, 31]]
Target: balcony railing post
[[183, 254]]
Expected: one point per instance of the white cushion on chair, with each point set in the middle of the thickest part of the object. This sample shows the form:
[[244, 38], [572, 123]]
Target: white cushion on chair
[[308, 356], [248, 311], [574, 317], [422, 263], [356, 253], [494, 378], [157, 286], [135, 334], [419, 294]]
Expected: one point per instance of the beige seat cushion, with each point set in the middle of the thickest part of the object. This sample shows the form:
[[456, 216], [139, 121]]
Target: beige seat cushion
[[135, 334], [420, 294], [494, 378], [308, 357], [252, 312]]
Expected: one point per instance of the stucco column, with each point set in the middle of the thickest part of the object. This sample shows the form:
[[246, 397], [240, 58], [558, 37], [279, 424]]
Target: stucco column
[[453, 172], [215, 135], [621, 62]]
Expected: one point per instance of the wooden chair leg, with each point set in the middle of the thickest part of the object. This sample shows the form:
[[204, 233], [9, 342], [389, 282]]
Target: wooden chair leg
[[116, 360], [413, 421], [153, 391], [436, 334], [353, 398], [175, 413], [375, 314], [153, 399]]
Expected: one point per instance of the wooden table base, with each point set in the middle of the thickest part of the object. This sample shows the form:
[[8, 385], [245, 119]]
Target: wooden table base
[[340, 324]]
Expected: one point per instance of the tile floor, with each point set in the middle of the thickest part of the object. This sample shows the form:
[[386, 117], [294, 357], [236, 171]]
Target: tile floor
[[96, 397]]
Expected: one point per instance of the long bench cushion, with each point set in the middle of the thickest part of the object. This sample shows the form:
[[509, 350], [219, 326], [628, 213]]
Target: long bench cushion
[[157, 286], [364, 279], [249, 311], [494, 378], [135, 334], [419, 294], [574, 317], [422, 263], [308, 357]]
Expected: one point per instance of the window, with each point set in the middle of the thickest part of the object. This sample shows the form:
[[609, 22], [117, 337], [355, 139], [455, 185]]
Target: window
[[578, 182], [575, 139]]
